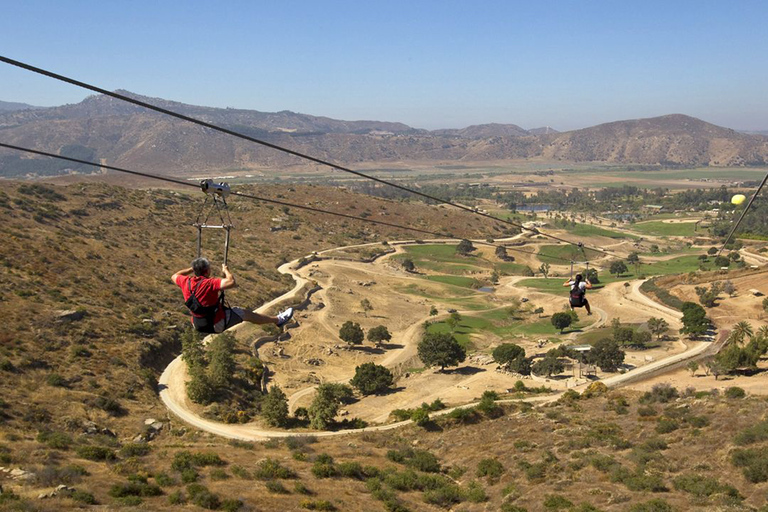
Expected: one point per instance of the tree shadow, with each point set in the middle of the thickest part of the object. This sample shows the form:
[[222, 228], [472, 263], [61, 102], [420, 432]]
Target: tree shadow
[[465, 370], [368, 350], [391, 346], [432, 426]]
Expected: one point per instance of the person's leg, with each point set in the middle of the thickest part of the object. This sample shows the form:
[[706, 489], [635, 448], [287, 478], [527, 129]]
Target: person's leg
[[257, 318], [586, 305]]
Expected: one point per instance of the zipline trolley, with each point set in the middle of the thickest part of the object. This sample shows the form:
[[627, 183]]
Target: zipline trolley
[[218, 192]]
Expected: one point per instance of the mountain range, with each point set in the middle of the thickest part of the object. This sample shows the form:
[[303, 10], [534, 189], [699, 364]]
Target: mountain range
[[101, 127]]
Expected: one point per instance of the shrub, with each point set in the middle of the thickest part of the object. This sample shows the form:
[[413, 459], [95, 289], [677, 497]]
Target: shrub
[[218, 474], [54, 379], [231, 505], [699, 485], [491, 468], [475, 493], [659, 393], [269, 469], [420, 417], [444, 496], [299, 442], [276, 486], [202, 497], [735, 392], [417, 459], [96, 453], [163, 480], [300, 488], [655, 505], [666, 425], [176, 498], [135, 450], [134, 489], [83, 497], [56, 440], [754, 463], [753, 434], [463, 415], [556, 502], [322, 505], [324, 467], [646, 412]]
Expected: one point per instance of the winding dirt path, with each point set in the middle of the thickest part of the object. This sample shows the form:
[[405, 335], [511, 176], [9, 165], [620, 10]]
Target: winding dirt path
[[172, 382]]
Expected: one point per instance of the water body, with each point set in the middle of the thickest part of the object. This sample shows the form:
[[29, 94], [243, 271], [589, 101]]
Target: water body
[[487, 289], [534, 208]]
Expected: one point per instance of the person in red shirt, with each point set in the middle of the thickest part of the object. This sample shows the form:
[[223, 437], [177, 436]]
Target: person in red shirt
[[202, 295]]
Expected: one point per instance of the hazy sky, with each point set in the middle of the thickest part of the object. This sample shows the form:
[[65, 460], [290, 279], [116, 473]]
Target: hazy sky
[[429, 64]]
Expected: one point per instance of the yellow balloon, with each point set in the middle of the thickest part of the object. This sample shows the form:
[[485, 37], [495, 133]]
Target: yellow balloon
[[738, 199]]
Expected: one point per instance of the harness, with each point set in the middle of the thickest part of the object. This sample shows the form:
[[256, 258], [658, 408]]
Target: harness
[[202, 316], [577, 295]]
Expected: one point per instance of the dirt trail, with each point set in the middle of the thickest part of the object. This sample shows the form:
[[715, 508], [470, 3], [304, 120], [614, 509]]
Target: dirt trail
[[172, 381]]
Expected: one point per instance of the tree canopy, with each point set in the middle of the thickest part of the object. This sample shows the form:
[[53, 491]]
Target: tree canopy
[[352, 333], [371, 378], [440, 349], [561, 320]]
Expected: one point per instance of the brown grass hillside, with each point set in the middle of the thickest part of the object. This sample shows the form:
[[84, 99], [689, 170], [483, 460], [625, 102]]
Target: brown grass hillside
[[75, 394]]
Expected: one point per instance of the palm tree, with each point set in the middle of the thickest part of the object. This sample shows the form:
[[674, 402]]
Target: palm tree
[[742, 330]]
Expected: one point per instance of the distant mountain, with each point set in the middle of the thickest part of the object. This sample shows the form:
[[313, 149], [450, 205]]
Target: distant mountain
[[7, 106], [122, 134], [484, 131], [544, 130], [672, 139]]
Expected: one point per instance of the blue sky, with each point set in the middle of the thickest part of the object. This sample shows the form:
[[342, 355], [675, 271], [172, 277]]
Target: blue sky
[[429, 64]]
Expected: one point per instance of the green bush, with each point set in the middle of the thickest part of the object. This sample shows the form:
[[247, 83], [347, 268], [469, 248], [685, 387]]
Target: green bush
[[202, 497], [659, 393], [134, 489], [96, 453], [218, 474], [754, 463], [475, 493], [56, 440], [135, 450], [444, 496], [176, 498], [83, 497], [324, 467], [231, 505], [666, 425], [491, 468], [269, 469], [417, 459], [646, 411], [556, 502], [754, 434], [703, 486], [163, 480], [322, 505], [654, 505], [735, 392], [276, 486]]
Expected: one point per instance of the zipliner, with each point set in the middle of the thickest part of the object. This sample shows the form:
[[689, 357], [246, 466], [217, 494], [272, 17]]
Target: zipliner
[[577, 297], [204, 297]]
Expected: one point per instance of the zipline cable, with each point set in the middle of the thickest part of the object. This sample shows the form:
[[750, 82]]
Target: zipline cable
[[264, 199], [746, 209], [332, 165]]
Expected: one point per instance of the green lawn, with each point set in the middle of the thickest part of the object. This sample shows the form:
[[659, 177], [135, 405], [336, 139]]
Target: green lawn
[[442, 259], [500, 323], [589, 230], [659, 228], [680, 265], [547, 253], [463, 282]]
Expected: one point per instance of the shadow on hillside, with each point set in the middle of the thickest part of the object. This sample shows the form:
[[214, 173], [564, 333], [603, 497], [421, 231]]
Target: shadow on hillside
[[465, 370]]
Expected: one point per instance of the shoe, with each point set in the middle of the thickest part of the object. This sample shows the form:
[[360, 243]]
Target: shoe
[[284, 316]]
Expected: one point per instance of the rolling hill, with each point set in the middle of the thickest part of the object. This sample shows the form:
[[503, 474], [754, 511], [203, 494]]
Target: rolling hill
[[101, 127]]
